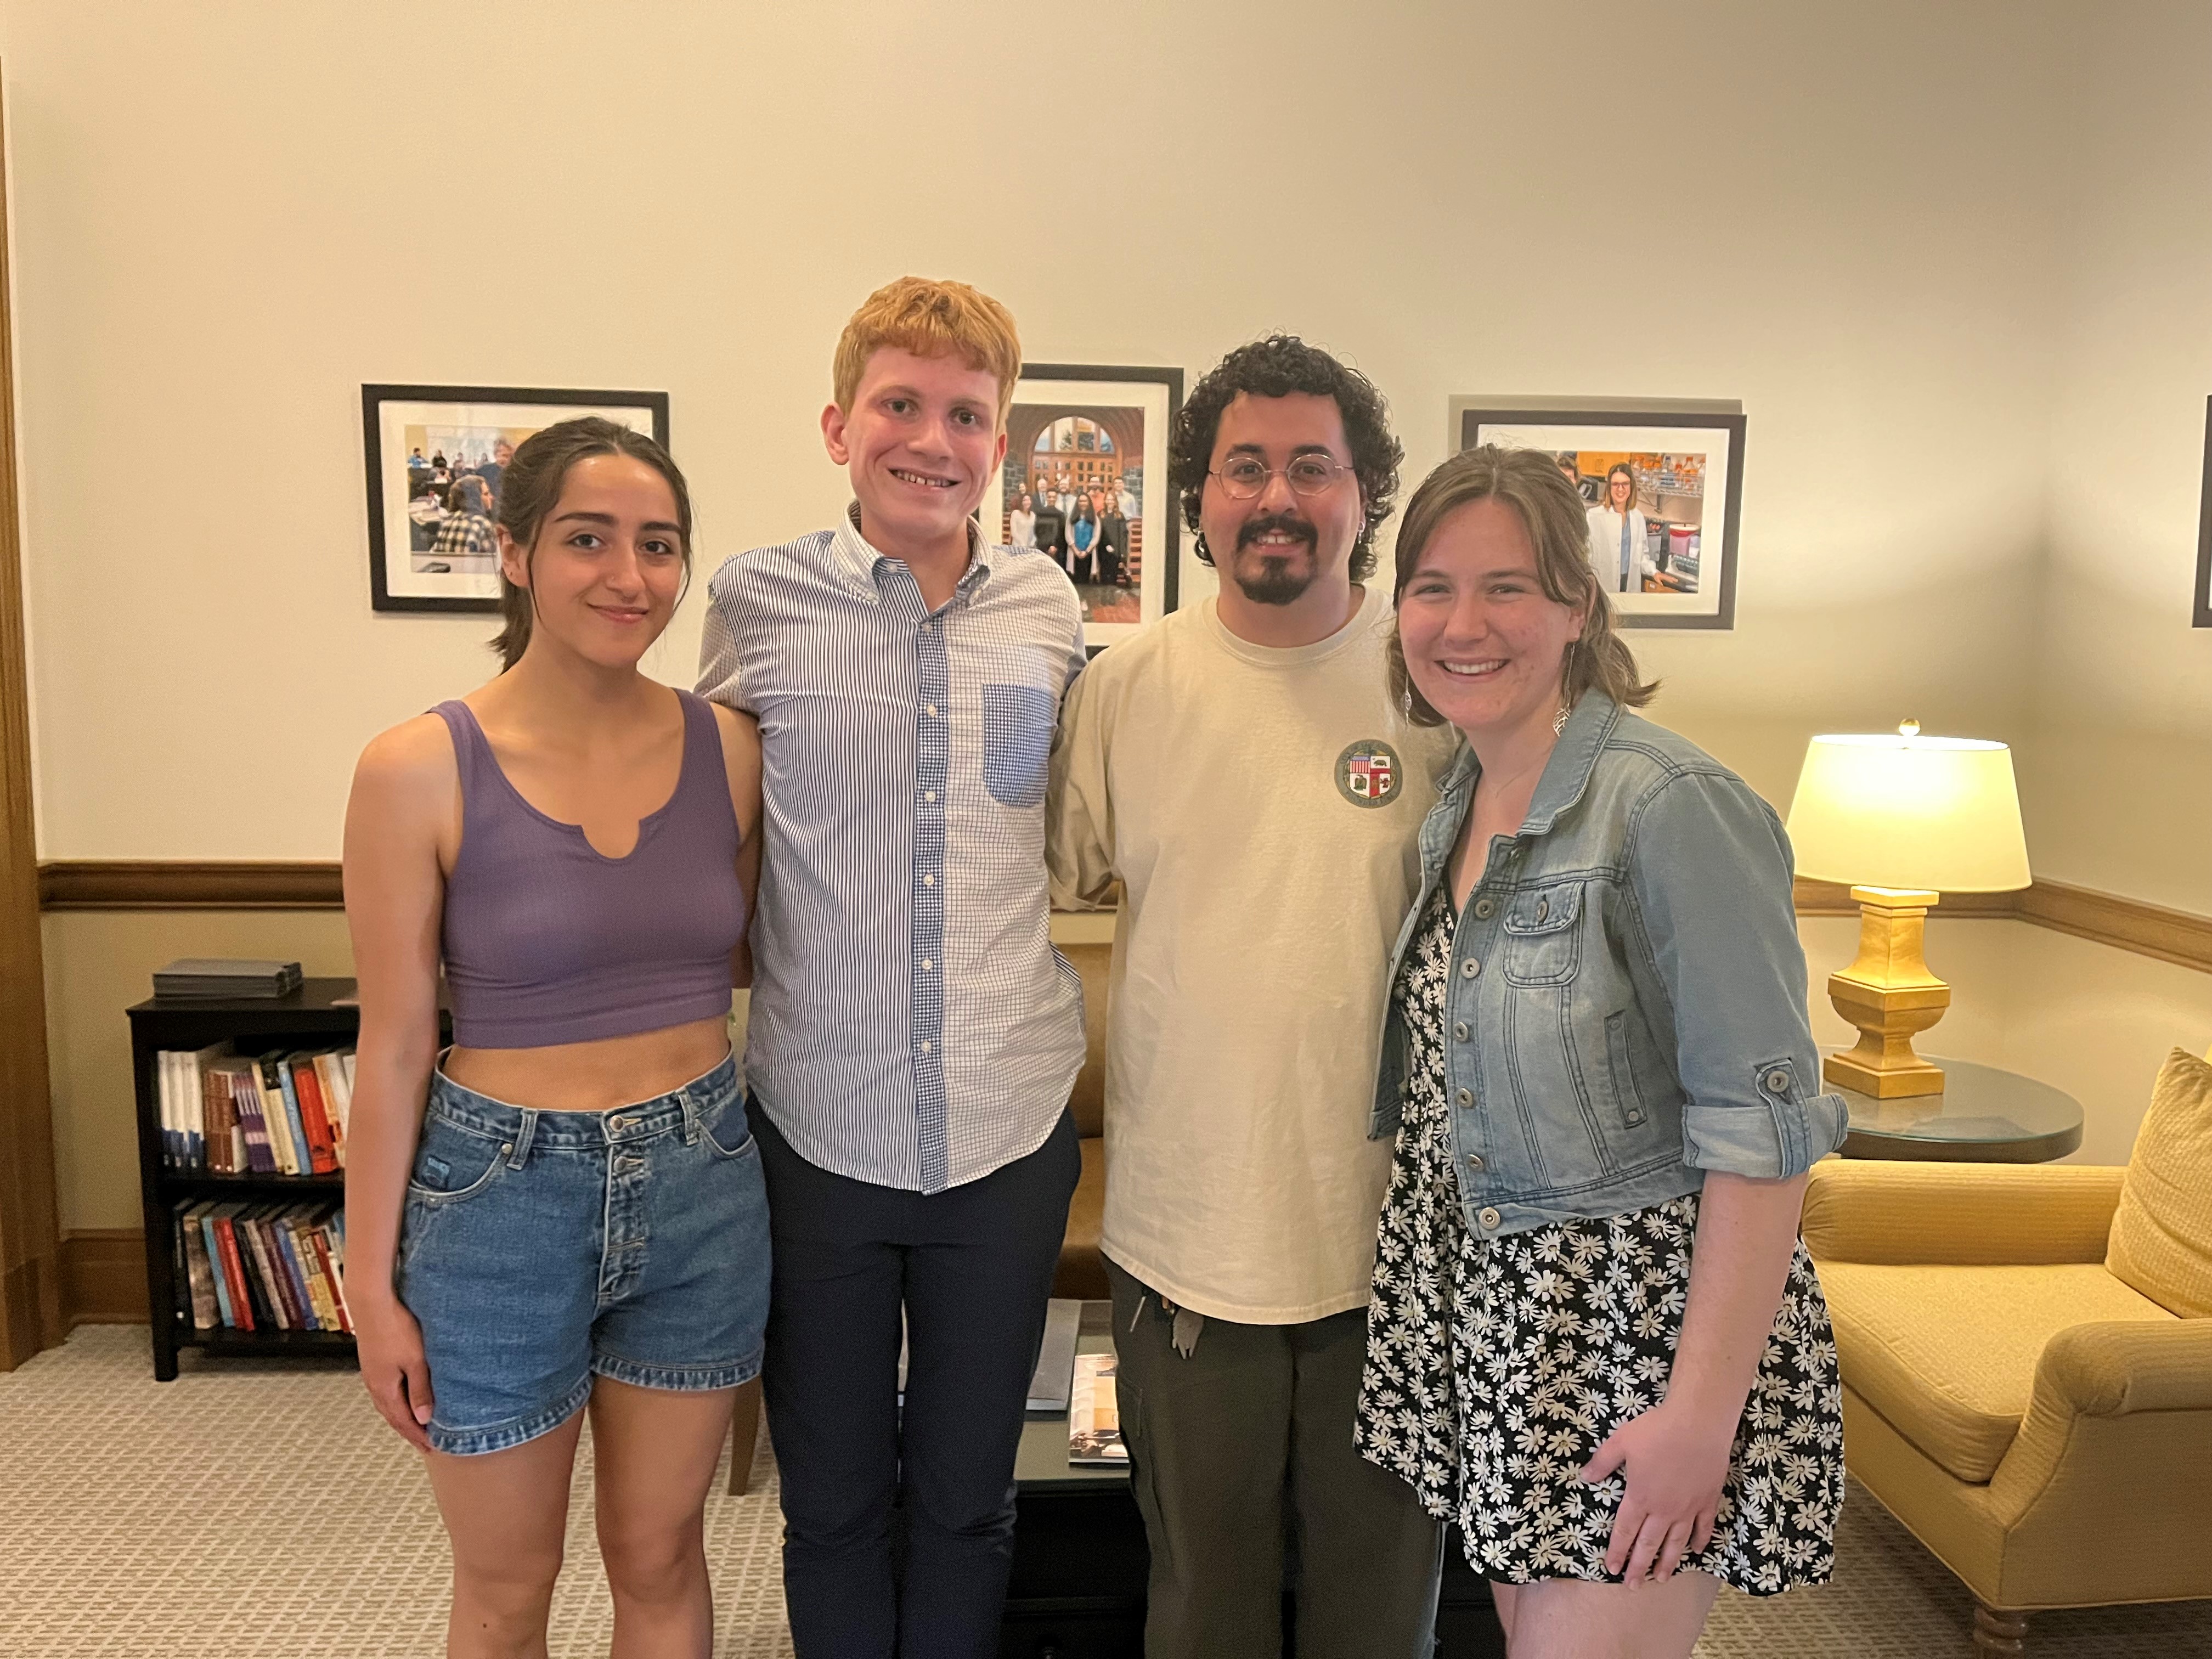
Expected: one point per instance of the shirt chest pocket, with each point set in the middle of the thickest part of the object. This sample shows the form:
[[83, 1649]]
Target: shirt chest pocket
[[1017, 743], [1542, 934]]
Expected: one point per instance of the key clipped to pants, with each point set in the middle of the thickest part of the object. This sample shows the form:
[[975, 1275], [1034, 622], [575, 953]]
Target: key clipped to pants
[[1187, 1325]]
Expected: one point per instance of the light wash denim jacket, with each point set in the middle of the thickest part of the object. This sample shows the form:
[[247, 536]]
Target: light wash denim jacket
[[1626, 1006]]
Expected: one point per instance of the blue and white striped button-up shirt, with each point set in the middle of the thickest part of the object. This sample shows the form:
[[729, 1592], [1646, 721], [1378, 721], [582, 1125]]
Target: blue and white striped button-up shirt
[[912, 1025]]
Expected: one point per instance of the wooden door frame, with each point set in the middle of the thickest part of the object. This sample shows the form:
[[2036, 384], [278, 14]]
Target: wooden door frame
[[30, 1238]]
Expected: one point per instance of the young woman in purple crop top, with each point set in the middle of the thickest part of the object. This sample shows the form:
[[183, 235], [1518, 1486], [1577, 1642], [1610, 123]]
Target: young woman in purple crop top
[[565, 1210]]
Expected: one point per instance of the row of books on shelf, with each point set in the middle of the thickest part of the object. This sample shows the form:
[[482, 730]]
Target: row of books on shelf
[[225, 1112], [263, 1267]]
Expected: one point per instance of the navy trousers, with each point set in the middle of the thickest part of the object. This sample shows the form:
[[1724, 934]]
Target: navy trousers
[[971, 1268]]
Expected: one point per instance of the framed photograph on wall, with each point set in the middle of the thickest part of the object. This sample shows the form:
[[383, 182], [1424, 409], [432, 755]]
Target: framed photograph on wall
[[1661, 484], [434, 455], [1085, 479]]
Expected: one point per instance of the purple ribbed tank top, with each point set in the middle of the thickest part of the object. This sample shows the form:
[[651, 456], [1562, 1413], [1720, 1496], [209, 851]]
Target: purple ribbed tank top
[[549, 940]]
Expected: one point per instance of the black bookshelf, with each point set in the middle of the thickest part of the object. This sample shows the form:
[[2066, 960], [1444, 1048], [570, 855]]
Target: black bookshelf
[[307, 1017]]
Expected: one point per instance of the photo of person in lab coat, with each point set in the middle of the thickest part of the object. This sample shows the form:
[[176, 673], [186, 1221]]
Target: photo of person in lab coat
[[1618, 550]]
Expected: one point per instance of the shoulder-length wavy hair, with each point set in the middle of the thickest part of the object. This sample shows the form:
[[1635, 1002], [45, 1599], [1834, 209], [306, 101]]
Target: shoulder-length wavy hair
[[1556, 517]]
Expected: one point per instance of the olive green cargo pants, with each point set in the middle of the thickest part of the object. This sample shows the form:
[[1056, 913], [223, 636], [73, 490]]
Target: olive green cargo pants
[[1242, 1459]]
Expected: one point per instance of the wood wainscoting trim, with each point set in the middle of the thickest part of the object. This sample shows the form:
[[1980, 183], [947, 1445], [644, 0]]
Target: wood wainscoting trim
[[165, 884], [2150, 929], [104, 1276], [2179, 937]]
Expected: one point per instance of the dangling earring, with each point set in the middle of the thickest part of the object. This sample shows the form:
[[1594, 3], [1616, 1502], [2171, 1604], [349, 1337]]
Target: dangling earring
[[1559, 724], [1205, 553]]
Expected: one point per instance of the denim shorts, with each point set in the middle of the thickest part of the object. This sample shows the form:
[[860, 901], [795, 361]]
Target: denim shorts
[[538, 1249]]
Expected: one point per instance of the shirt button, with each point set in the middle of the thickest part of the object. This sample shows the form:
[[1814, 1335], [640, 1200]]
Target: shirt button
[[925, 1045], [1490, 1218], [1484, 908], [1466, 1097], [1459, 1031], [927, 964], [929, 881], [1513, 853], [1469, 968], [1777, 1081], [1474, 1161], [933, 711], [929, 794]]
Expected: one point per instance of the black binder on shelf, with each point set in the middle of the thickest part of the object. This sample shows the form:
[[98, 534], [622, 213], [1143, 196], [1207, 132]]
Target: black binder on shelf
[[216, 977]]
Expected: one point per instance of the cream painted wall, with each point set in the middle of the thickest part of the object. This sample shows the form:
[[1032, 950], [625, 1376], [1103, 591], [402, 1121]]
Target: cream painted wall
[[229, 218], [2119, 788]]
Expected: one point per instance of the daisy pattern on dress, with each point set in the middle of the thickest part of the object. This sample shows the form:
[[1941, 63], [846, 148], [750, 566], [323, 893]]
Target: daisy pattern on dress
[[1496, 1367]]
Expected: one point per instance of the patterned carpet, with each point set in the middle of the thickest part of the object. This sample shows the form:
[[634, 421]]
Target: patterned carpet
[[261, 1511]]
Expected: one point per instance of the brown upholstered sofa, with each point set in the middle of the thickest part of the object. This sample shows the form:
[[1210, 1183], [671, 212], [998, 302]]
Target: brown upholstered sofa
[[1082, 1270]]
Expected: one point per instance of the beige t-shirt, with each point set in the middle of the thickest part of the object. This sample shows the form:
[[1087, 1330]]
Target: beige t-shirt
[[1261, 808]]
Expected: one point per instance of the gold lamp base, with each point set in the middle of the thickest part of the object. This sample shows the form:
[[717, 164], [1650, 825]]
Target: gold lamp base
[[1890, 996]]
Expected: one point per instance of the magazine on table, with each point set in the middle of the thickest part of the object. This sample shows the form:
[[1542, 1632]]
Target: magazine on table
[[1094, 1420]]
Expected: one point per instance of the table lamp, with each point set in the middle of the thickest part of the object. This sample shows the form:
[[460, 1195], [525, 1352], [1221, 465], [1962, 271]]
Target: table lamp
[[1901, 819]]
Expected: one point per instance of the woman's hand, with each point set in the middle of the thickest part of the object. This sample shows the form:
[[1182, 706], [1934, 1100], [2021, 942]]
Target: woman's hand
[[1676, 1454], [1676, 1461], [392, 1367]]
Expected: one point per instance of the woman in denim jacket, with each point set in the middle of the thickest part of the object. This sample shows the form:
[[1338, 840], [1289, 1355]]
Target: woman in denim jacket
[[1596, 1342]]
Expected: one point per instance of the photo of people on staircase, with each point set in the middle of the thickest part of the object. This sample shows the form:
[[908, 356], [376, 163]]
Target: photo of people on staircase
[[1079, 456], [1081, 498]]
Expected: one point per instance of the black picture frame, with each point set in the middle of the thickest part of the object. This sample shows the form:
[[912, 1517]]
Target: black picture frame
[[1160, 550], [475, 407], [2202, 616], [1471, 417]]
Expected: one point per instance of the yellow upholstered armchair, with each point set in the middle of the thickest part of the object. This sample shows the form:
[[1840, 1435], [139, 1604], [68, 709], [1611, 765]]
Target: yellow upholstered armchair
[[2026, 1360]]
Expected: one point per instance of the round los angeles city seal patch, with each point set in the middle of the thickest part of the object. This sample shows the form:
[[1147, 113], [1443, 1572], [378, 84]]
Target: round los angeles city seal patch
[[1370, 773]]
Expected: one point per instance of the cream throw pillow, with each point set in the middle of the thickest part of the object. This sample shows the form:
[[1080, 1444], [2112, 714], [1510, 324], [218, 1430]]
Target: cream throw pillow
[[2161, 1240]]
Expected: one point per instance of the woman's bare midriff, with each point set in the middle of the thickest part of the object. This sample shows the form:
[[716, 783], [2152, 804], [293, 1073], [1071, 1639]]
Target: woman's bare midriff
[[593, 1077]]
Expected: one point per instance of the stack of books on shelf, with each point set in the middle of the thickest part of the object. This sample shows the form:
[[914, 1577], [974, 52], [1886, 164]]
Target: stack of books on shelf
[[262, 1267], [273, 1113]]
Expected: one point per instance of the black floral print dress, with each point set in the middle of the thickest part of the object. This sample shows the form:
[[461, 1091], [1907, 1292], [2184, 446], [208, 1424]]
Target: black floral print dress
[[1497, 1367]]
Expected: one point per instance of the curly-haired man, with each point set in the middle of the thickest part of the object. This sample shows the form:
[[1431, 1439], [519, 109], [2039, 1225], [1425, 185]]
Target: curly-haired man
[[1241, 769]]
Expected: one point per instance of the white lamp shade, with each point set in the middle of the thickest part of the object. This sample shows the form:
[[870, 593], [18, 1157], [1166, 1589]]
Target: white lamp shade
[[1891, 810]]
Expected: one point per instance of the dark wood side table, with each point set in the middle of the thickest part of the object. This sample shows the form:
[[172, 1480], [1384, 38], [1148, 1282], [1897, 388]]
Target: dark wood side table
[[1080, 1562], [1983, 1115]]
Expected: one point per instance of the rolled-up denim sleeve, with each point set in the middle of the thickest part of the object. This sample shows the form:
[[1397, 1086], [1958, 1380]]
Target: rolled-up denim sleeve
[[1710, 878]]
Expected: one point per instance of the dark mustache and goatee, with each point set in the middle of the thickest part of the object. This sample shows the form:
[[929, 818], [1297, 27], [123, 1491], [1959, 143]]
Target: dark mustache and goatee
[[1277, 581]]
